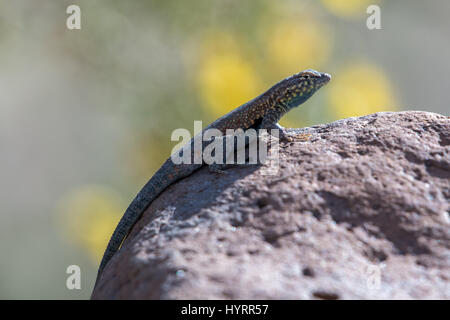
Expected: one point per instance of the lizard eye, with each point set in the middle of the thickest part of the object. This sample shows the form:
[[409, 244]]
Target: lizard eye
[[312, 73]]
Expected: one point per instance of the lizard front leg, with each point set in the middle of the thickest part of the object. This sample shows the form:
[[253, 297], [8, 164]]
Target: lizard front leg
[[235, 147], [219, 165], [270, 121]]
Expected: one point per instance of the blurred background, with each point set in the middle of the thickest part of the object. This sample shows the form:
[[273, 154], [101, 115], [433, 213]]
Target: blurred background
[[86, 115]]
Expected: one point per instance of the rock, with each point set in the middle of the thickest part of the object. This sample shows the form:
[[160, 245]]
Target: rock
[[360, 210]]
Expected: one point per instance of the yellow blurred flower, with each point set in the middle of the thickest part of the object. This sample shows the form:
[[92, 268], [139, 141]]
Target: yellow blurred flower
[[88, 216], [360, 89], [226, 79], [348, 8], [294, 45]]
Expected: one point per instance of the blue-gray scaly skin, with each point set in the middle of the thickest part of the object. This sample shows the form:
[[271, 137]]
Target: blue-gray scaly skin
[[263, 112]]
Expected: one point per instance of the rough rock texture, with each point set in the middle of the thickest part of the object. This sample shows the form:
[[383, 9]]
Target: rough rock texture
[[359, 210]]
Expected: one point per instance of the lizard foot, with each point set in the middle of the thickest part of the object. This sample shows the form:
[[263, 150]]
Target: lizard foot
[[303, 136], [282, 132], [285, 137]]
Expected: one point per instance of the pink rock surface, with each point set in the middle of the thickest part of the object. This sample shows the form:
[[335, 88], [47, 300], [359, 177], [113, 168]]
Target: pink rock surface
[[358, 211]]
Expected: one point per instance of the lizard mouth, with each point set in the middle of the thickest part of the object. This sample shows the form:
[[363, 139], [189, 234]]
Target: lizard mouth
[[322, 80], [325, 76]]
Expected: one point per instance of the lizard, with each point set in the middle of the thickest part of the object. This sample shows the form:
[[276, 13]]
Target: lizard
[[262, 112]]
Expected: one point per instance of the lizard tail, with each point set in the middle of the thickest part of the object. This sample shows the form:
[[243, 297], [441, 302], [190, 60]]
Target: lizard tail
[[130, 217], [140, 203], [123, 228], [134, 211]]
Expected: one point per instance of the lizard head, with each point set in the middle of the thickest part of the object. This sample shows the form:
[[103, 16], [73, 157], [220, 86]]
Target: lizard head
[[296, 89]]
